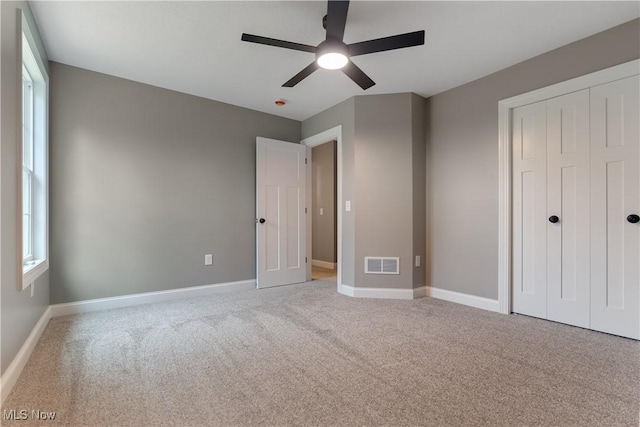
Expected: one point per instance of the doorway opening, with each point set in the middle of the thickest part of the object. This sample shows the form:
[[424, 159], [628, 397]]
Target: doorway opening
[[332, 270], [324, 224]]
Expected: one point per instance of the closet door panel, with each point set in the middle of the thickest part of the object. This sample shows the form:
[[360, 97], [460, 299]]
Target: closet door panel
[[568, 281], [529, 210], [615, 194]]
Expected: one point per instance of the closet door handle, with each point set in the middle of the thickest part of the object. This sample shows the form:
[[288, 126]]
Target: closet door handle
[[553, 219], [633, 218]]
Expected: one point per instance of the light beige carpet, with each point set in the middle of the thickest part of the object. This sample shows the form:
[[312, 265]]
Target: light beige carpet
[[305, 355]]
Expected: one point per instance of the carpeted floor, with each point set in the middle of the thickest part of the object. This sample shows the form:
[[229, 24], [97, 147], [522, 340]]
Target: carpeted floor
[[305, 355]]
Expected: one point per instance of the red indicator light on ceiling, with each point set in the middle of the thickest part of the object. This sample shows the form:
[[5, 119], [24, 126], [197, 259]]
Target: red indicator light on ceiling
[[280, 102]]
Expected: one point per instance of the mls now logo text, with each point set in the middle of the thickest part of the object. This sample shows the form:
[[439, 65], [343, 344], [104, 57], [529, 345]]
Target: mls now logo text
[[23, 414]]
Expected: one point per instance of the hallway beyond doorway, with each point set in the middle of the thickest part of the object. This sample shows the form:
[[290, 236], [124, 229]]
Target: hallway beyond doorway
[[320, 273]]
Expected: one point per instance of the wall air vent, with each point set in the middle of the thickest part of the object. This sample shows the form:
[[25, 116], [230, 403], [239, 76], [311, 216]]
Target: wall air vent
[[381, 265]]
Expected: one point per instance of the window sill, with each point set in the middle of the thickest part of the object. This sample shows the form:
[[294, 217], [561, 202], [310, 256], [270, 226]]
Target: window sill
[[30, 273]]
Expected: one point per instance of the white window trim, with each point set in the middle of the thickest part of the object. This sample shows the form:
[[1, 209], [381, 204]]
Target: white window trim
[[30, 271], [27, 166]]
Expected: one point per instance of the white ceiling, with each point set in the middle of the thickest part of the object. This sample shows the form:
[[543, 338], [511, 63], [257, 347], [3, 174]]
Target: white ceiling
[[195, 47]]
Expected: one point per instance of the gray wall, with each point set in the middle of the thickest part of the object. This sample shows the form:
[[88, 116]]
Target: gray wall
[[381, 136], [341, 114], [324, 197], [384, 186], [145, 182], [19, 310], [462, 138]]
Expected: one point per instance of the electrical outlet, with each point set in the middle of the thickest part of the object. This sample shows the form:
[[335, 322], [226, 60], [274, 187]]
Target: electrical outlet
[[321, 211], [417, 260], [208, 259], [347, 205]]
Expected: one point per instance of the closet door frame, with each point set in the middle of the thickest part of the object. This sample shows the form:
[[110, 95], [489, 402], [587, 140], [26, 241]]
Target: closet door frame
[[505, 108]]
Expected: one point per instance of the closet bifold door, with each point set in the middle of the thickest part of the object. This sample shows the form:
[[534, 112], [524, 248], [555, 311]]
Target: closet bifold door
[[529, 130], [615, 195], [568, 198]]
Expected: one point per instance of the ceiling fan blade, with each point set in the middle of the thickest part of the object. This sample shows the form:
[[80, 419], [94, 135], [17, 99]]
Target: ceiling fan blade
[[358, 76], [277, 43], [301, 75], [336, 19], [387, 43]]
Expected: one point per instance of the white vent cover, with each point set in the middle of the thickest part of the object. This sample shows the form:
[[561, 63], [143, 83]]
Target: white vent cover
[[381, 265]]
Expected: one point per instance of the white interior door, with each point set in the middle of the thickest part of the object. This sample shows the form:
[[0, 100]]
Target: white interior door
[[551, 209], [568, 192], [615, 195], [280, 212], [529, 210]]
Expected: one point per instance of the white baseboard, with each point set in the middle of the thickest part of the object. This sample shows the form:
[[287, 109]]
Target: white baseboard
[[147, 298], [346, 290], [420, 292], [11, 375], [323, 264], [466, 299], [388, 293]]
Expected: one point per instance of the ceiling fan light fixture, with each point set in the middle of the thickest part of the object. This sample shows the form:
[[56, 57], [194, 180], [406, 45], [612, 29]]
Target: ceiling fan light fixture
[[332, 55], [332, 60]]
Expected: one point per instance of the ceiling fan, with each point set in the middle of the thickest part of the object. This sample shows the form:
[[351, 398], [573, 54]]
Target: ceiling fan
[[333, 53]]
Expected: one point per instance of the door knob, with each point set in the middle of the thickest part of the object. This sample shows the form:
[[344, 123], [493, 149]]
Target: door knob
[[262, 220], [633, 218], [553, 219]]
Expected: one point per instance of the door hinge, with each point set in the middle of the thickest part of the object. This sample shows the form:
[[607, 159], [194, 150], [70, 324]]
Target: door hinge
[[305, 210], [305, 160], [305, 260]]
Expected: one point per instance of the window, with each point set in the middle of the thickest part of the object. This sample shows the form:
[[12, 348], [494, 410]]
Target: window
[[34, 241], [27, 166]]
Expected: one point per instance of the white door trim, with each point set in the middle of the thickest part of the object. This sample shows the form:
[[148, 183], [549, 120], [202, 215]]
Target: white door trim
[[505, 107], [319, 139]]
